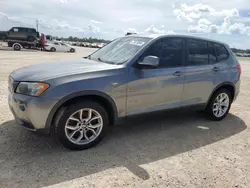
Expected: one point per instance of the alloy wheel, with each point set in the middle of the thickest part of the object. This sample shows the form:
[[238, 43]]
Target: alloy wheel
[[221, 105], [83, 126]]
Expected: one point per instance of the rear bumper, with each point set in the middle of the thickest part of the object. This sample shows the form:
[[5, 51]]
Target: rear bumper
[[31, 112], [237, 90]]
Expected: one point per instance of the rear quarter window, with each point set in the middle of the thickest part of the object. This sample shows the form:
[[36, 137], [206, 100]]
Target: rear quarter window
[[221, 52]]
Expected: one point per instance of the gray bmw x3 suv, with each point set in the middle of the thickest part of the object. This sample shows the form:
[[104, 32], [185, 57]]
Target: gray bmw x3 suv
[[79, 99]]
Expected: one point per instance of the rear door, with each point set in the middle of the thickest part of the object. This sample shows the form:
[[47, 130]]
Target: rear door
[[152, 89], [58, 46], [199, 77]]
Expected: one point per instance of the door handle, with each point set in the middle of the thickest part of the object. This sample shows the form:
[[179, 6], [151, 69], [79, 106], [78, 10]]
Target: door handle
[[216, 69], [177, 73]]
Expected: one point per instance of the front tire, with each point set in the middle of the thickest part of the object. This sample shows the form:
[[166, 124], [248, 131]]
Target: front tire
[[82, 125], [219, 104], [72, 50]]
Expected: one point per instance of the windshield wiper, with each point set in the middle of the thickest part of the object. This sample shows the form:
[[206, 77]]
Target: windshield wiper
[[108, 62], [99, 59], [87, 57]]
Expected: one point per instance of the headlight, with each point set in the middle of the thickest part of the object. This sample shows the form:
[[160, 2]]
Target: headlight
[[31, 88]]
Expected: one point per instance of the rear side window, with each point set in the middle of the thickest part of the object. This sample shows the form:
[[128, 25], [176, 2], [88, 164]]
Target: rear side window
[[211, 54], [23, 30], [197, 52], [31, 30], [221, 52]]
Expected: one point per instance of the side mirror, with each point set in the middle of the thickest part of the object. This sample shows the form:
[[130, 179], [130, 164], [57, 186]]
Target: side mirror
[[150, 61]]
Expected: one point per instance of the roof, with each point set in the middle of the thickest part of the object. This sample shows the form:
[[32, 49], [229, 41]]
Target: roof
[[25, 27], [154, 36]]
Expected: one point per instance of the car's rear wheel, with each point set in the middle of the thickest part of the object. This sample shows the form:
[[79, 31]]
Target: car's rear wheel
[[219, 104], [81, 126], [17, 47], [72, 50], [52, 49]]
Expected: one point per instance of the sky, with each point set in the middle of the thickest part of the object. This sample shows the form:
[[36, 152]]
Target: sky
[[227, 21]]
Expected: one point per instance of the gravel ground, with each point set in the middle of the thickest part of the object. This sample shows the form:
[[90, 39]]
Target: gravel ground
[[160, 150]]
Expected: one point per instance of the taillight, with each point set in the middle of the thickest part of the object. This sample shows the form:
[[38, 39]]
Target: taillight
[[239, 69], [46, 45]]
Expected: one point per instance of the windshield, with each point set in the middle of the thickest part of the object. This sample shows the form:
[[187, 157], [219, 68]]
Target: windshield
[[120, 50]]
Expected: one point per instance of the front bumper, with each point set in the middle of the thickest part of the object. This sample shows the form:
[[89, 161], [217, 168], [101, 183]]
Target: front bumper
[[31, 112]]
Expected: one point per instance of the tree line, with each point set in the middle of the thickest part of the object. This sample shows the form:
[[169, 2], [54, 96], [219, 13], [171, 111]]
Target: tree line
[[89, 40], [236, 50], [96, 40]]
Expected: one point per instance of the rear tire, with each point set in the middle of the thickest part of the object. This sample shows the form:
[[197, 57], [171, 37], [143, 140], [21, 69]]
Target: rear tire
[[65, 126], [17, 47], [217, 110], [72, 50], [53, 49]]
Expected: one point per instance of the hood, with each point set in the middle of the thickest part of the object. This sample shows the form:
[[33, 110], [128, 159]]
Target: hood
[[46, 71]]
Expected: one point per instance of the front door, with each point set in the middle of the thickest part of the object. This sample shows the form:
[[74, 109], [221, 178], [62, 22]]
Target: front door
[[15, 33], [152, 89]]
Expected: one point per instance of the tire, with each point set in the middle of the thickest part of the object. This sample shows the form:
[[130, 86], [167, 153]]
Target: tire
[[72, 50], [17, 47], [211, 107], [62, 119], [53, 49]]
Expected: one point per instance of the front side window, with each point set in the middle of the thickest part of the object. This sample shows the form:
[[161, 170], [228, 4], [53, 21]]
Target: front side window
[[172, 51], [221, 52], [120, 50], [15, 29], [197, 52], [169, 51]]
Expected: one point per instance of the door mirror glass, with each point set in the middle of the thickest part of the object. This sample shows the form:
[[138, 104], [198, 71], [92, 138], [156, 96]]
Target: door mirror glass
[[150, 61]]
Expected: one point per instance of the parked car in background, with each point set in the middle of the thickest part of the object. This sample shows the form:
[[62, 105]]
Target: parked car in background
[[80, 99], [20, 33], [100, 45], [57, 46], [93, 45]]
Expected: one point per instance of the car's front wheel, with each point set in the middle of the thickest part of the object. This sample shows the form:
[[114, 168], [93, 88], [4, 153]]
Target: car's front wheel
[[82, 125], [219, 104], [72, 50]]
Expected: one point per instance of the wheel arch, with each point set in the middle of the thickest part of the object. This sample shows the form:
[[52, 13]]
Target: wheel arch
[[13, 45], [105, 100], [226, 85]]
